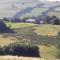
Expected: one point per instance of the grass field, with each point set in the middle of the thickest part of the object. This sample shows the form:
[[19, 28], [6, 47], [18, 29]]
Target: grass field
[[7, 40], [19, 25], [50, 30], [42, 35]]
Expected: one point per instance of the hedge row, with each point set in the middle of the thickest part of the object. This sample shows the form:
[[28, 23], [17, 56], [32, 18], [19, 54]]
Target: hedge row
[[20, 50]]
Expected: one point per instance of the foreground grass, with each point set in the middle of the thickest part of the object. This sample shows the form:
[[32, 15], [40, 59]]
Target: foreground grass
[[4, 41], [18, 58], [38, 35], [48, 52]]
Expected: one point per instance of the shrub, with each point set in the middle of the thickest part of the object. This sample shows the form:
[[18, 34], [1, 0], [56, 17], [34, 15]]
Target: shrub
[[1, 51], [21, 50]]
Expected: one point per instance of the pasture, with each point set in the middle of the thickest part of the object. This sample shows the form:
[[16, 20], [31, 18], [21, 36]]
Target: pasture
[[43, 35]]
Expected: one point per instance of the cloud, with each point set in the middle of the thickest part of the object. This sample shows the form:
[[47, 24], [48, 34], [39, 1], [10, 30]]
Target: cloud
[[53, 0]]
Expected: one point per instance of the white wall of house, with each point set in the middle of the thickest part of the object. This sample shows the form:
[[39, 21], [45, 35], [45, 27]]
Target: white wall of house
[[30, 20]]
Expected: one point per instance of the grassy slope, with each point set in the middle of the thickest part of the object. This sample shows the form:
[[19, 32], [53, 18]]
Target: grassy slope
[[35, 12], [19, 25], [7, 40], [37, 34], [50, 30], [48, 50]]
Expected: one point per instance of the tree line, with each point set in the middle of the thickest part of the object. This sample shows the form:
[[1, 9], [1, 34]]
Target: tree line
[[20, 50], [46, 19]]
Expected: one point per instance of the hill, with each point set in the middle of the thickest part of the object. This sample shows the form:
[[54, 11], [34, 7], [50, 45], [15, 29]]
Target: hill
[[45, 36], [23, 8]]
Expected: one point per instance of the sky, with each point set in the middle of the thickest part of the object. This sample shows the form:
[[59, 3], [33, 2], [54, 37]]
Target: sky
[[53, 0], [24, 0], [16, 1]]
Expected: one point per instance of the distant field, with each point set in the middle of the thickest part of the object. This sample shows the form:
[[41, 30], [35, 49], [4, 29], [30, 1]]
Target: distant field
[[4, 41], [19, 25], [44, 29]]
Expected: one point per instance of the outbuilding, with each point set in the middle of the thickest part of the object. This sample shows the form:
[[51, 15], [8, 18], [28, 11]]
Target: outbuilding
[[30, 20]]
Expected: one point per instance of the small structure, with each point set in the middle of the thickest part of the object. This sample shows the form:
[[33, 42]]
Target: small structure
[[41, 22], [30, 20]]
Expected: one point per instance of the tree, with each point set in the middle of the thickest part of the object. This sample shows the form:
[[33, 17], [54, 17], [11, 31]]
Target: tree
[[48, 19], [5, 19], [4, 28], [1, 51], [55, 20]]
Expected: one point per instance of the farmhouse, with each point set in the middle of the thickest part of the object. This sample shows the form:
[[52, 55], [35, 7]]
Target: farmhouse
[[30, 20]]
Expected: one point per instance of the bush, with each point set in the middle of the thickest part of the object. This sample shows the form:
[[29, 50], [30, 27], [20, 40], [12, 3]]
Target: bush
[[20, 50], [4, 28], [1, 51]]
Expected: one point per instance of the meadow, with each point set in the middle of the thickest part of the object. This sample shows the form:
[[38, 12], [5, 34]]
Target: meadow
[[43, 35]]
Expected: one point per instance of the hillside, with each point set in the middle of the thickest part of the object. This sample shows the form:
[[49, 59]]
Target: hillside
[[19, 37], [44, 36], [23, 8]]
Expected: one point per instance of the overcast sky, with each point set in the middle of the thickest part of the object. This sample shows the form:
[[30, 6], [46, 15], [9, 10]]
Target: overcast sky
[[4, 1], [53, 0]]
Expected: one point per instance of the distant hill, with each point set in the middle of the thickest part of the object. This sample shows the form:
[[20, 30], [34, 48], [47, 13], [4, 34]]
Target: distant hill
[[26, 8]]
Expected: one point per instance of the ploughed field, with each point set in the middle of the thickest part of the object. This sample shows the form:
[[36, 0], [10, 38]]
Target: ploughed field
[[45, 36]]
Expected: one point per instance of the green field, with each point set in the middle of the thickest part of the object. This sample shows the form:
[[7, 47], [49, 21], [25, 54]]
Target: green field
[[43, 35], [19, 25]]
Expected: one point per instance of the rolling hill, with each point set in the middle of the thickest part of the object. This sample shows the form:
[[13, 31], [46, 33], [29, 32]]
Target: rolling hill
[[28, 8]]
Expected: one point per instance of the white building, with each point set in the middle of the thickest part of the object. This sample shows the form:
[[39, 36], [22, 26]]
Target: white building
[[30, 20]]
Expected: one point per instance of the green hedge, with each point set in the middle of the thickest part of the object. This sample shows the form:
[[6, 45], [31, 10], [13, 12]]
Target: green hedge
[[20, 50]]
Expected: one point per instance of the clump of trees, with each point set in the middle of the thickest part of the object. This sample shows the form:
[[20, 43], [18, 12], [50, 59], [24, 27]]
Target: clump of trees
[[20, 50], [55, 20], [5, 19], [4, 28], [45, 19]]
